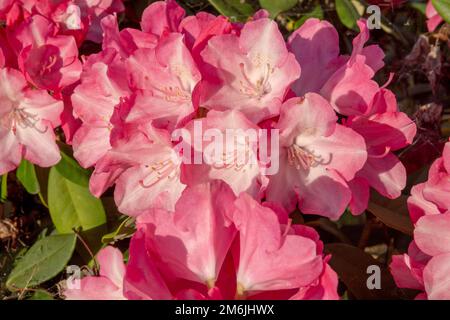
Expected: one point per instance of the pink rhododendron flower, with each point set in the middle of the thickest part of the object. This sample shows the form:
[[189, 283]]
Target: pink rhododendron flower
[[345, 81], [317, 158], [385, 130], [145, 168], [250, 72], [434, 19], [217, 246], [107, 286], [103, 84], [27, 120], [426, 267], [162, 17], [49, 61], [236, 162], [167, 76]]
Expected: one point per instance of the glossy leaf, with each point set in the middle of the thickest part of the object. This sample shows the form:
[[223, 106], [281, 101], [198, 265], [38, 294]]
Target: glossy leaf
[[72, 171], [392, 218], [351, 263], [276, 7], [26, 174], [347, 13], [234, 9], [43, 261], [71, 205]]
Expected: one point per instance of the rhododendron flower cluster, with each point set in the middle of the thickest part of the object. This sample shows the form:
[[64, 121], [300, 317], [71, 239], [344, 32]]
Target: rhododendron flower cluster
[[214, 246], [211, 133], [174, 72], [426, 266]]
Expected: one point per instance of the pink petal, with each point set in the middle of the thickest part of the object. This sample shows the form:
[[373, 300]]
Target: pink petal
[[401, 271], [193, 246], [387, 175], [436, 277], [315, 46], [267, 260], [142, 279], [432, 234]]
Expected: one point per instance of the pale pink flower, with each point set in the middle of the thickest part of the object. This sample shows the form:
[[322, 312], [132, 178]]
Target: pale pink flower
[[251, 72], [145, 168], [231, 157], [166, 78], [317, 158], [27, 119], [103, 85]]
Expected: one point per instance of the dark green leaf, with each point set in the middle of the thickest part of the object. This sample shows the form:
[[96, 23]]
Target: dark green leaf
[[347, 13], [45, 259], [71, 205], [27, 176], [443, 8], [276, 7], [351, 263]]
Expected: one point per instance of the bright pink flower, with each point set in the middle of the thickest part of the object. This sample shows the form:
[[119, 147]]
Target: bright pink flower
[[27, 119], [250, 73], [317, 158], [167, 76], [345, 81], [162, 17], [49, 61], [103, 85], [208, 249], [427, 265], [236, 162], [125, 41], [107, 286], [385, 130], [145, 168], [94, 11], [434, 19]]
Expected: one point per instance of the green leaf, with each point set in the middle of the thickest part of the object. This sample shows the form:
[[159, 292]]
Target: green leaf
[[27, 176], [234, 9], [443, 8], [123, 231], [317, 12], [347, 13], [41, 295], [4, 188], [72, 171], [276, 7], [45, 259], [71, 205]]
